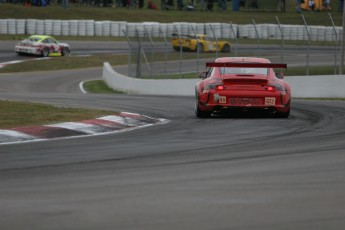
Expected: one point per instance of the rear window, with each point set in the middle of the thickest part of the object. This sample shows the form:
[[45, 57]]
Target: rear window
[[238, 70]]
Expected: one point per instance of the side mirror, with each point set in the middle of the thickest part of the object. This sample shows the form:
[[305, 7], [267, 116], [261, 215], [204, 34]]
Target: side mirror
[[203, 74]]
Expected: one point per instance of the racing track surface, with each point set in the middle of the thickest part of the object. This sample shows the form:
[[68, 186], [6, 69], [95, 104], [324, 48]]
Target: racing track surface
[[190, 174]]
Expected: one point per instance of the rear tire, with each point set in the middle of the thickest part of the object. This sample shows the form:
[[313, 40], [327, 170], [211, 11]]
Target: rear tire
[[45, 52], [201, 114], [226, 48], [176, 48], [65, 52], [199, 48], [284, 114]]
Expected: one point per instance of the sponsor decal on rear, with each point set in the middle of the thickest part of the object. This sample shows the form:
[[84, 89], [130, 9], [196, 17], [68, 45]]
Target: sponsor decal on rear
[[270, 100]]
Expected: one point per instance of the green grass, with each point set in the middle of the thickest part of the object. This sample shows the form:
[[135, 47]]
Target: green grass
[[58, 63], [99, 86], [74, 62], [18, 114], [244, 16]]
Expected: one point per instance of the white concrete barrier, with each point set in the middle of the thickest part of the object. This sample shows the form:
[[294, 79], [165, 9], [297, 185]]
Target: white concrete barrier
[[90, 27], [3, 26], [82, 28], [40, 27], [12, 26], [105, 28], [57, 25], [48, 26], [20, 26], [73, 27], [325, 86], [65, 27], [116, 81], [156, 29], [320, 86]]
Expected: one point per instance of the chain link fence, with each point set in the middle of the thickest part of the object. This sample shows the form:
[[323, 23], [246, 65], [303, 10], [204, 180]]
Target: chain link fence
[[151, 48], [150, 42]]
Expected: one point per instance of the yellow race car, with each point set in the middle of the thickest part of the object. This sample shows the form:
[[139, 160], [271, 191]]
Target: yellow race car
[[198, 43]]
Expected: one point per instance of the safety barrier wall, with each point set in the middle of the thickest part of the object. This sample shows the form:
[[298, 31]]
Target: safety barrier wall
[[116, 81], [155, 29], [325, 86]]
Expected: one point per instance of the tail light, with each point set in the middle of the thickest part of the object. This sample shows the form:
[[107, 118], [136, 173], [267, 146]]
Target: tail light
[[214, 86], [275, 87], [270, 88]]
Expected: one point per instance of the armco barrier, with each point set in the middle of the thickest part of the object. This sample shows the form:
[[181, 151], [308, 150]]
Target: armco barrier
[[326, 86], [156, 29]]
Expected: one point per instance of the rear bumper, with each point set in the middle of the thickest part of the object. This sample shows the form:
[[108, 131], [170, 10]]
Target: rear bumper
[[27, 50], [224, 103]]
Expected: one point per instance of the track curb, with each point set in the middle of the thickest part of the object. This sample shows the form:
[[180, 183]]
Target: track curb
[[111, 124]]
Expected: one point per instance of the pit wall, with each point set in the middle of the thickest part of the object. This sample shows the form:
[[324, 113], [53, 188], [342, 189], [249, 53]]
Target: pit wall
[[323, 86]]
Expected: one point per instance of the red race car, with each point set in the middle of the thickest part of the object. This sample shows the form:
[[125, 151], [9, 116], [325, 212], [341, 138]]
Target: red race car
[[242, 84]]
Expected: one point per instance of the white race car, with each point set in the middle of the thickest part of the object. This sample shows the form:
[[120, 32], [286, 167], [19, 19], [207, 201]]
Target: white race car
[[42, 45]]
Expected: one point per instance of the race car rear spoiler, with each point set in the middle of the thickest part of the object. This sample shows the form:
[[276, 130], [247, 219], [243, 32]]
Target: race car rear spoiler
[[248, 65]]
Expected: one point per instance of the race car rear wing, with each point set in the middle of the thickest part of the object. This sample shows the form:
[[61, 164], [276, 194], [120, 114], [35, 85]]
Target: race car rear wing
[[246, 65]]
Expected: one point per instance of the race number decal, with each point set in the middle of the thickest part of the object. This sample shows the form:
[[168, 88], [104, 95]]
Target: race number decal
[[270, 100], [222, 99]]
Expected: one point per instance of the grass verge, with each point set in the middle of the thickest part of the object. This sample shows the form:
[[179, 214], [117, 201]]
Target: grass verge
[[58, 63], [99, 86], [18, 114], [74, 62]]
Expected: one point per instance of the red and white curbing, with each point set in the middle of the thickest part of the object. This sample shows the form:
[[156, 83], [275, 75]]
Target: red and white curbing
[[99, 126]]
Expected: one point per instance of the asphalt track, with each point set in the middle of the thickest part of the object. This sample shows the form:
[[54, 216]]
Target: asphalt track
[[241, 173]]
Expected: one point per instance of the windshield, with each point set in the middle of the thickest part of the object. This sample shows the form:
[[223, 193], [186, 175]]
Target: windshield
[[237, 70]]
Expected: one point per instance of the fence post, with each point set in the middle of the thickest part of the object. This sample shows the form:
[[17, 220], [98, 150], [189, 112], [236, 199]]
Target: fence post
[[152, 50], [256, 34], [215, 37], [165, 50], [197, 50], [139, 54], [129, 52], [179, 39], [306, 27], [336, 44], [282, 45], [235, 37], [342, 43]]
